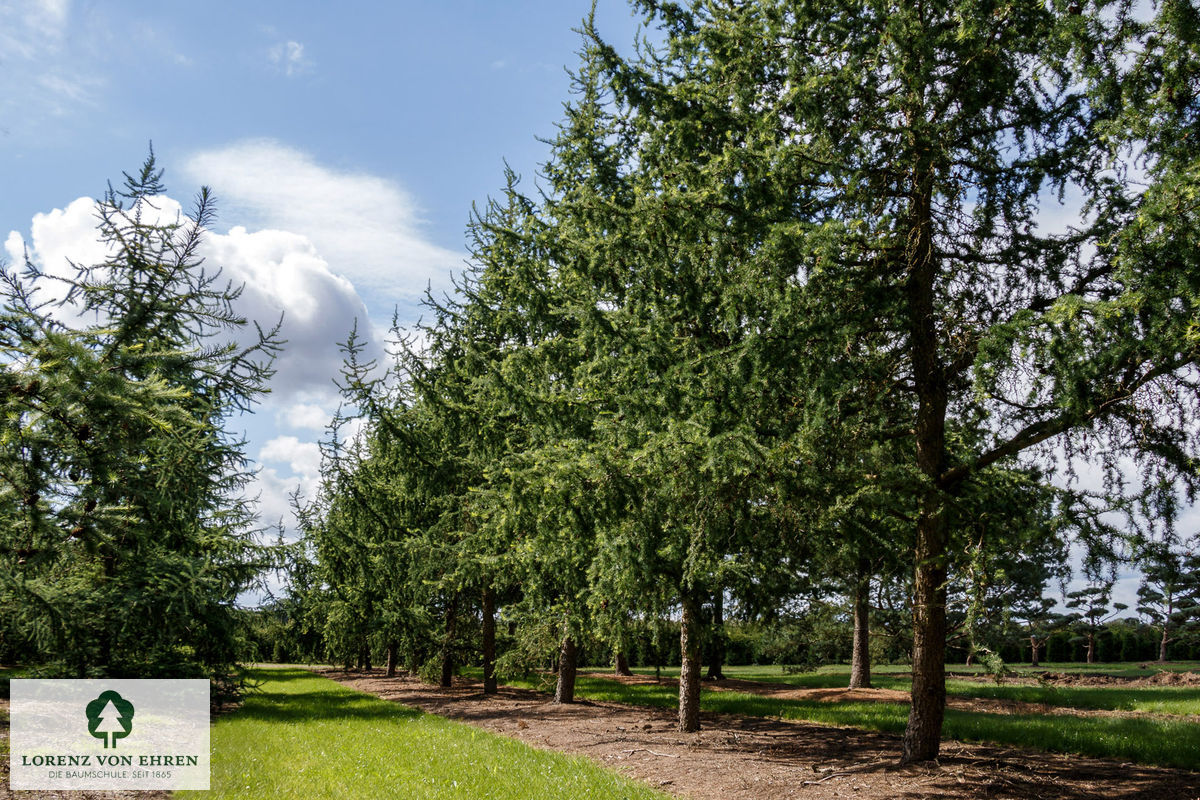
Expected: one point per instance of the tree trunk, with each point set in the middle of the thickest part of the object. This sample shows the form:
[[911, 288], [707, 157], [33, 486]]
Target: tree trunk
[[1162, 646], [716, 650], [860, 656], [689, 671], [970, 658], [489, 641], [448, 643], [1034, 647], [923, 734], [564, 690], [1091, 651], [622, 664], [391, 659]]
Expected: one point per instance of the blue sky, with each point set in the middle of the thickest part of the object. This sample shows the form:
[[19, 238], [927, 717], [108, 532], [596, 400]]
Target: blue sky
[[345, 143]]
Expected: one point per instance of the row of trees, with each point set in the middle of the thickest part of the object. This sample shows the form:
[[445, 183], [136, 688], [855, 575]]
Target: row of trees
[[785, 319], [124, 534]]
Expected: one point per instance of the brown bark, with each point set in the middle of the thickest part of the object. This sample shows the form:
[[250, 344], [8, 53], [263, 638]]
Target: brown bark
[[622, 664], [392, 649], [1162, 645], [564, 690], [689, 671], [1091, 651], [923, 734], [489, 641], [1034, 647], [716, 650], [448, 643], [860, 655]]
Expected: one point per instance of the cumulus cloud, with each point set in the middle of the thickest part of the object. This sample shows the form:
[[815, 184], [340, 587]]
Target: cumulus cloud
[[304, 458], [282, 274], [289, 59], [308, 416], [366, 227]]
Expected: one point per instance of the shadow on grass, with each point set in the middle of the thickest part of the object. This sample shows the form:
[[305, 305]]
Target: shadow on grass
[[277, 701]]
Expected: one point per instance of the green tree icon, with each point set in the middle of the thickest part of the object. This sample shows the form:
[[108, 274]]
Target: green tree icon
[[110, 717]]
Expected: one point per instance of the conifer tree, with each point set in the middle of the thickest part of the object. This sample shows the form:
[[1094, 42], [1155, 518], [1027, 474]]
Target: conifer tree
[[124, 536]]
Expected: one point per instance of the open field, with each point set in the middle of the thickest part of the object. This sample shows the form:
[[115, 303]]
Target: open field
[[305, 737], [299, 735], [738, 757]]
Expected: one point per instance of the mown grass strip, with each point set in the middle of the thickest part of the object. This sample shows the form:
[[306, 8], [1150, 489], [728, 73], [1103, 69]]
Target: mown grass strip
[[1179, 700], [306, 737], [1167, 743]]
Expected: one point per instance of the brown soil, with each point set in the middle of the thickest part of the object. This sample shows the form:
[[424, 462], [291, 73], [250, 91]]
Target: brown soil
[[753, 758], [6, 793]]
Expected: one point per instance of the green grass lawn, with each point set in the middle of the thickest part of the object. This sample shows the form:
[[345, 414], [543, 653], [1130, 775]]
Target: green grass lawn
[[306, 737], [1182, 700], [1174, 743]]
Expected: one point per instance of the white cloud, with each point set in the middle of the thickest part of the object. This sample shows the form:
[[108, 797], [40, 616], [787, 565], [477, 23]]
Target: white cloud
[[365, 226], [308, 416], [288, 57], [282, 273], [304, 458]]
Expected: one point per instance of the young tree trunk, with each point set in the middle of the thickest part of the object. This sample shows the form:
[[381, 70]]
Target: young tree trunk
[[1162, 646], [564, 690], [1091, 651], [489, 640], [716, 650], [860, 655], [1034, 647], [622, 664], [689, 671], [392, 649], [970, 657], [448, 643]]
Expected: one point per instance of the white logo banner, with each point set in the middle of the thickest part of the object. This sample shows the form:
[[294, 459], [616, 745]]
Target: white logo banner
[[108, 734]]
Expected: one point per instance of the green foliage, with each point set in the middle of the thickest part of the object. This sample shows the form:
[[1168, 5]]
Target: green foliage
[[785, 321], [124, 537]]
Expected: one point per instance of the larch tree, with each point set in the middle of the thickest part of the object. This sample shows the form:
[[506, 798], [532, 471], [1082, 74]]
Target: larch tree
[[915, 154], [120, 480]]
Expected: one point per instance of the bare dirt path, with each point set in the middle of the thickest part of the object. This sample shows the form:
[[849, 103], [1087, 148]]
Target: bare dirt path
[[753, 758]]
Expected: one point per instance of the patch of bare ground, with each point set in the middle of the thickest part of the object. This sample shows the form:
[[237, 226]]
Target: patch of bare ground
[[754, 758], [6, 793]]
